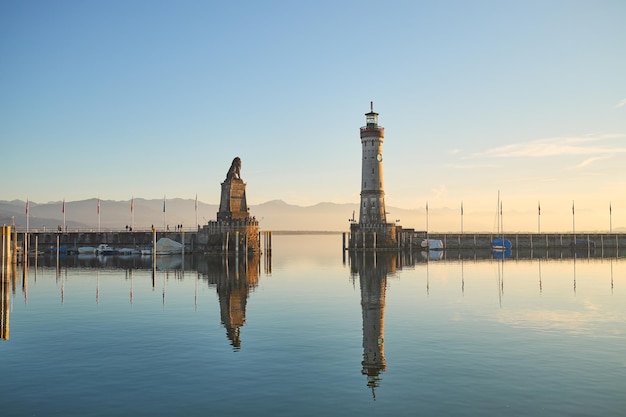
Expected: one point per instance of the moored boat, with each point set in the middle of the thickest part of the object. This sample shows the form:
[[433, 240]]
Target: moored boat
[[501, 244], [104, 249], [432, 244]]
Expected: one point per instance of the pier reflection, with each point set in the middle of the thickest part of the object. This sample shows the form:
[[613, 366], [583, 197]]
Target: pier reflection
[[232, 277], [528, 253], [8, 275]]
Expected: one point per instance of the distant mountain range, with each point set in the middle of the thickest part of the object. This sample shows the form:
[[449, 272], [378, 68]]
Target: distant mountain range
[[275, 215]]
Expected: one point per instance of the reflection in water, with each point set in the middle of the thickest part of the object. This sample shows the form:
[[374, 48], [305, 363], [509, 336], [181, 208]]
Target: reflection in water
[[540, 282], [5, 299], [234, 279], [373, 269], [611, 276], [547, 351]]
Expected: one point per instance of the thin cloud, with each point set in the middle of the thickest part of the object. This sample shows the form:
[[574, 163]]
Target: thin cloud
[[590, 161], [584, 145], [621, 104], [470, 166]]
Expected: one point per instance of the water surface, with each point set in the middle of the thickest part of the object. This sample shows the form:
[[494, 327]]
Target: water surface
[[313, 333]]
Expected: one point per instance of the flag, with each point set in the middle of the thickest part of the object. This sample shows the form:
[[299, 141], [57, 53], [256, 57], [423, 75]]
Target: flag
[[27, 206], [132, 204], [609, 208], [539, 208], [196, 202], [572, 208], [98, 205], [63, 206], [163, 204], [461, 208], [427, 207]]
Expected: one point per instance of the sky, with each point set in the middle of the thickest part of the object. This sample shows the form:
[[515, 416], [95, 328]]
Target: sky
[[478, 98]]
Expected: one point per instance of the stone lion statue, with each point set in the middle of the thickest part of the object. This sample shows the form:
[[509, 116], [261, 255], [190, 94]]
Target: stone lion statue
[[235, 170]]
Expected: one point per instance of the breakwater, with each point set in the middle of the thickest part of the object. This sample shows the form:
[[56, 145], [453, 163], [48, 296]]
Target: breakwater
[[72, 240], [529, 240], [195, 241], [75, 239], [226, 237], [412, 240]]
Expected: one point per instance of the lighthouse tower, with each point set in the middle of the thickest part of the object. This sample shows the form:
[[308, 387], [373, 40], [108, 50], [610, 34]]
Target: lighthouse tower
[[372, 231], [372, 210]]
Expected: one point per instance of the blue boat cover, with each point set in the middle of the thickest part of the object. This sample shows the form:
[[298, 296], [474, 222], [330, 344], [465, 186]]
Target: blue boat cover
[[501, 242]]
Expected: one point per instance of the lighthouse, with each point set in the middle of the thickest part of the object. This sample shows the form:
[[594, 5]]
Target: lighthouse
[[372, 210], [372, 230]]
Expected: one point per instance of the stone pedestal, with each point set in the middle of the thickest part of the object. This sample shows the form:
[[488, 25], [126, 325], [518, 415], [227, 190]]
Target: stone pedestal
[[233, 204]]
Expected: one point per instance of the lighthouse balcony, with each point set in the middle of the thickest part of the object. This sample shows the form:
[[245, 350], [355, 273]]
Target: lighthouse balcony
[[375, 130]]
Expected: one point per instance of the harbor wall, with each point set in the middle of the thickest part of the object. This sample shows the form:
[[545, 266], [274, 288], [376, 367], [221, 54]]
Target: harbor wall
[[211, 238], [527, 240], [407, 239], [230, 238]]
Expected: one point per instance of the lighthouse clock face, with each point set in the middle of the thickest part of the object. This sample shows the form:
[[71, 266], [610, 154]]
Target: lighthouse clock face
[[379, 157]]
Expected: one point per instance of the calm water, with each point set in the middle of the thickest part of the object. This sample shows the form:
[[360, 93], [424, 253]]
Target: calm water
[[312, 335]]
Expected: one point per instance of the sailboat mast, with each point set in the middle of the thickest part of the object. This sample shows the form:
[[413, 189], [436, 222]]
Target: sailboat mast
[[501, 223], [498, 211]]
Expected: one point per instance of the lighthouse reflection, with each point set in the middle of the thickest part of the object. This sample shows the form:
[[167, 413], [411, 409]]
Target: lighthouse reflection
[[372, 269]]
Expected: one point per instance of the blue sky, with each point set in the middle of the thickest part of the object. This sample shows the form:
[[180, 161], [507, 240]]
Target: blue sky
[[151, 98]]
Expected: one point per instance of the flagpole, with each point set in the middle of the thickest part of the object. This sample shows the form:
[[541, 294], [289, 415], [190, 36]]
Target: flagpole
[[538, 217], [63, 209], [196, 212], [132, 212], [461, 216], [98, 214], [573, 222], [163, 213], [610, 219], [27, 215], [427, 224]]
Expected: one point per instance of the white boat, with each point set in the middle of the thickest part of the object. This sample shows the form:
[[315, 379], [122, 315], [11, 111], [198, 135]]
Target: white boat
[[432, 244], [104, 249], [146, 251], [86, 250], [166, 246], [432, 255]]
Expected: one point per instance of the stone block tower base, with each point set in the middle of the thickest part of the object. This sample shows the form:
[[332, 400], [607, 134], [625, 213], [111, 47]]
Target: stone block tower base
[[374, 236]]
